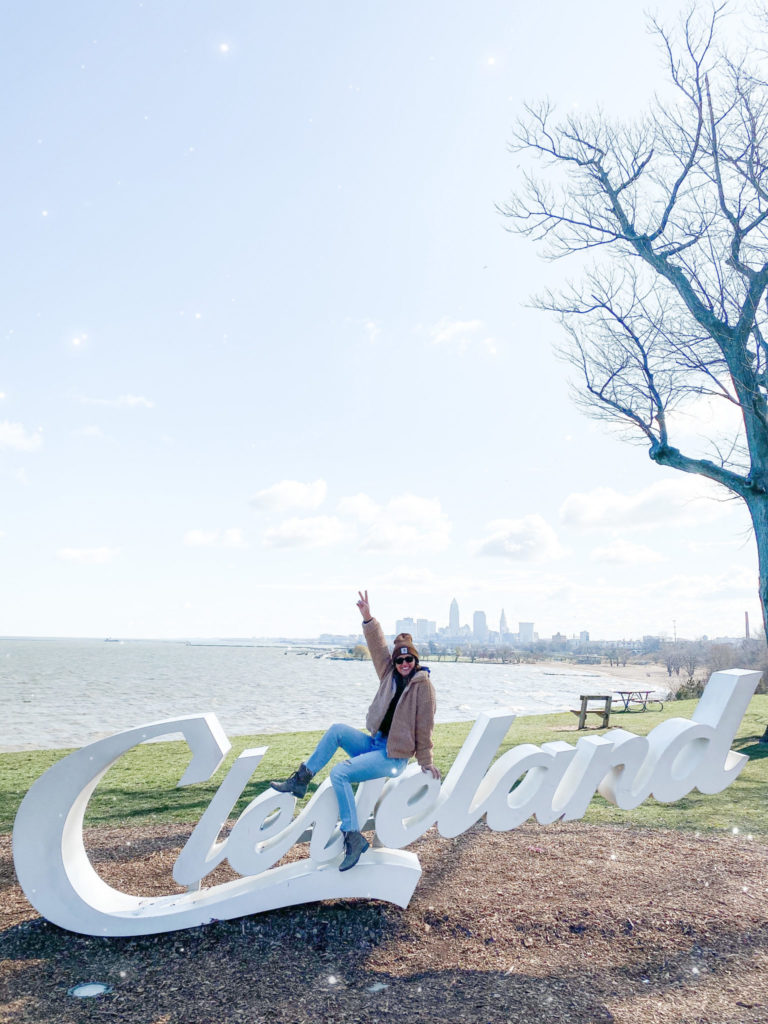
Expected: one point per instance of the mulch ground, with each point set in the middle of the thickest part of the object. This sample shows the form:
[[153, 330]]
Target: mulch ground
[[570, 922]]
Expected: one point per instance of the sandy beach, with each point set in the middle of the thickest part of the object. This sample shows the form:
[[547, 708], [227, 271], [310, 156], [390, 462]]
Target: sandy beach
[[645, 677]]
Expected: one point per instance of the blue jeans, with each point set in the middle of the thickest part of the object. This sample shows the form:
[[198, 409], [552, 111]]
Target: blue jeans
[[368, 760]]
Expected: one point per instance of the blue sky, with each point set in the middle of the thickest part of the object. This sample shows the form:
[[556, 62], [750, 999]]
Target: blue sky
[[266, 340]]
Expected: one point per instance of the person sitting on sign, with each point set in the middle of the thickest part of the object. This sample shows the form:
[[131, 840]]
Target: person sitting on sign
[[400, 721]]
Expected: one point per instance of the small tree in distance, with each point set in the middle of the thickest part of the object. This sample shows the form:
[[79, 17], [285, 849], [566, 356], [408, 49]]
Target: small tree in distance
[[673, 315]]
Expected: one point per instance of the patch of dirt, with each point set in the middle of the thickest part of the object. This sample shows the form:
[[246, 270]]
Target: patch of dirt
[[572, 922]]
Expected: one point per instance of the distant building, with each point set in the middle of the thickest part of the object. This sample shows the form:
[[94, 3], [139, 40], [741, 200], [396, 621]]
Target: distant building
[[454, 623], [425, 629], [503, 627], [559, 641], [479, 628], [405, 626], [525, 632], [584, 636]]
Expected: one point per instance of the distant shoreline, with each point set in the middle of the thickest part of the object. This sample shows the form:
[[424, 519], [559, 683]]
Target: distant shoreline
[[652, 676], [586, 679]]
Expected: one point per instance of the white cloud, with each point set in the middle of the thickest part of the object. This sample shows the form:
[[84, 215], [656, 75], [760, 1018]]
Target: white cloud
[[122, 402], [88, 556], [406, 522], [310, 532], [16, 436], [624, 552], [462, 334], [361, 508], [373, 330], [705, 547], [739, 582], [685, 502], [231, 538], [530, 539], [291, 494]]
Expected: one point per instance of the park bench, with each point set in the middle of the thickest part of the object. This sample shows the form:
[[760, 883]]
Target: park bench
[[584, 710]]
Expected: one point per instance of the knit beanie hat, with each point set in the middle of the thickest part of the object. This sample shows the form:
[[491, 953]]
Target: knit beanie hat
[[404, 645]]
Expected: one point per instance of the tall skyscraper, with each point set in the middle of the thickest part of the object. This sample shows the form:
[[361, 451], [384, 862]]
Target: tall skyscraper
[[479, 628], [454, 625], [525, 630], [503, 627]]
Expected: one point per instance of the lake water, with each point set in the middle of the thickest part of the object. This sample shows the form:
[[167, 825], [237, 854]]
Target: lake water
[[64, 693]]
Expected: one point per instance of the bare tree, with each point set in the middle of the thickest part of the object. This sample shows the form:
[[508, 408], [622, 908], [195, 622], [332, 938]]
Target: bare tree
[[672, 316], [693, 655], [673, 659]]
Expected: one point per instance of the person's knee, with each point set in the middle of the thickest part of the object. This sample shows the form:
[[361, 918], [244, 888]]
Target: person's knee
[[335, 731]]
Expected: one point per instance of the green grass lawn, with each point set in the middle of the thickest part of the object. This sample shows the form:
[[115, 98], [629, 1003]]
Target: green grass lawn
[[141, 786]]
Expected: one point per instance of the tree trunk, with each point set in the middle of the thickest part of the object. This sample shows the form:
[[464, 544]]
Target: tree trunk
[[758, 510]]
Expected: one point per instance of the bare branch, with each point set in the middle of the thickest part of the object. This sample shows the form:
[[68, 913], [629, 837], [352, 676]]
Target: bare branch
[[673, 316]]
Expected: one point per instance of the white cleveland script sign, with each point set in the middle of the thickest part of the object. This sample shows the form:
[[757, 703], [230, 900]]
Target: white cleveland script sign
[[556, 782]]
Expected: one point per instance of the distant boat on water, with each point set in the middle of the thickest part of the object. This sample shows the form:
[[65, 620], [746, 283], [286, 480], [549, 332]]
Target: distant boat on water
[[112, 640]]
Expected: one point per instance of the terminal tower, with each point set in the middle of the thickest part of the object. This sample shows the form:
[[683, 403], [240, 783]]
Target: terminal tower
[[454, 626]]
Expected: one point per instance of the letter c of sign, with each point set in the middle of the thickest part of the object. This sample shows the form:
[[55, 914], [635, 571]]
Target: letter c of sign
[[59, 880], [48, 851]]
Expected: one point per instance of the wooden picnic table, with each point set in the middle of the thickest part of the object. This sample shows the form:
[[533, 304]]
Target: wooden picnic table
[[638, 700]]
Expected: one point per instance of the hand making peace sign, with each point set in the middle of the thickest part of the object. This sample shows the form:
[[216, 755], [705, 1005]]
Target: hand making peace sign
[[362, 604]]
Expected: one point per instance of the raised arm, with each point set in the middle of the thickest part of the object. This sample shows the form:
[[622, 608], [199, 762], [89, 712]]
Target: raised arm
[[374, 637]]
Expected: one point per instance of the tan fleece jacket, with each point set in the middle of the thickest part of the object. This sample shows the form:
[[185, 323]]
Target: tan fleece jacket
[[414, 717]]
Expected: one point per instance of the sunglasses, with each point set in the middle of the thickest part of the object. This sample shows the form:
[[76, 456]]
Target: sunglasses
[[407, 660]]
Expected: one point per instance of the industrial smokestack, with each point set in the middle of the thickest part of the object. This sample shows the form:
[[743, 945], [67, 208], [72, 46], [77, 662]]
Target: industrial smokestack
[[746, 625]]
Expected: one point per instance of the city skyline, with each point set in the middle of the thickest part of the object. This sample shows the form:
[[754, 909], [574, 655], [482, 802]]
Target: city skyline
[[479, 632]]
